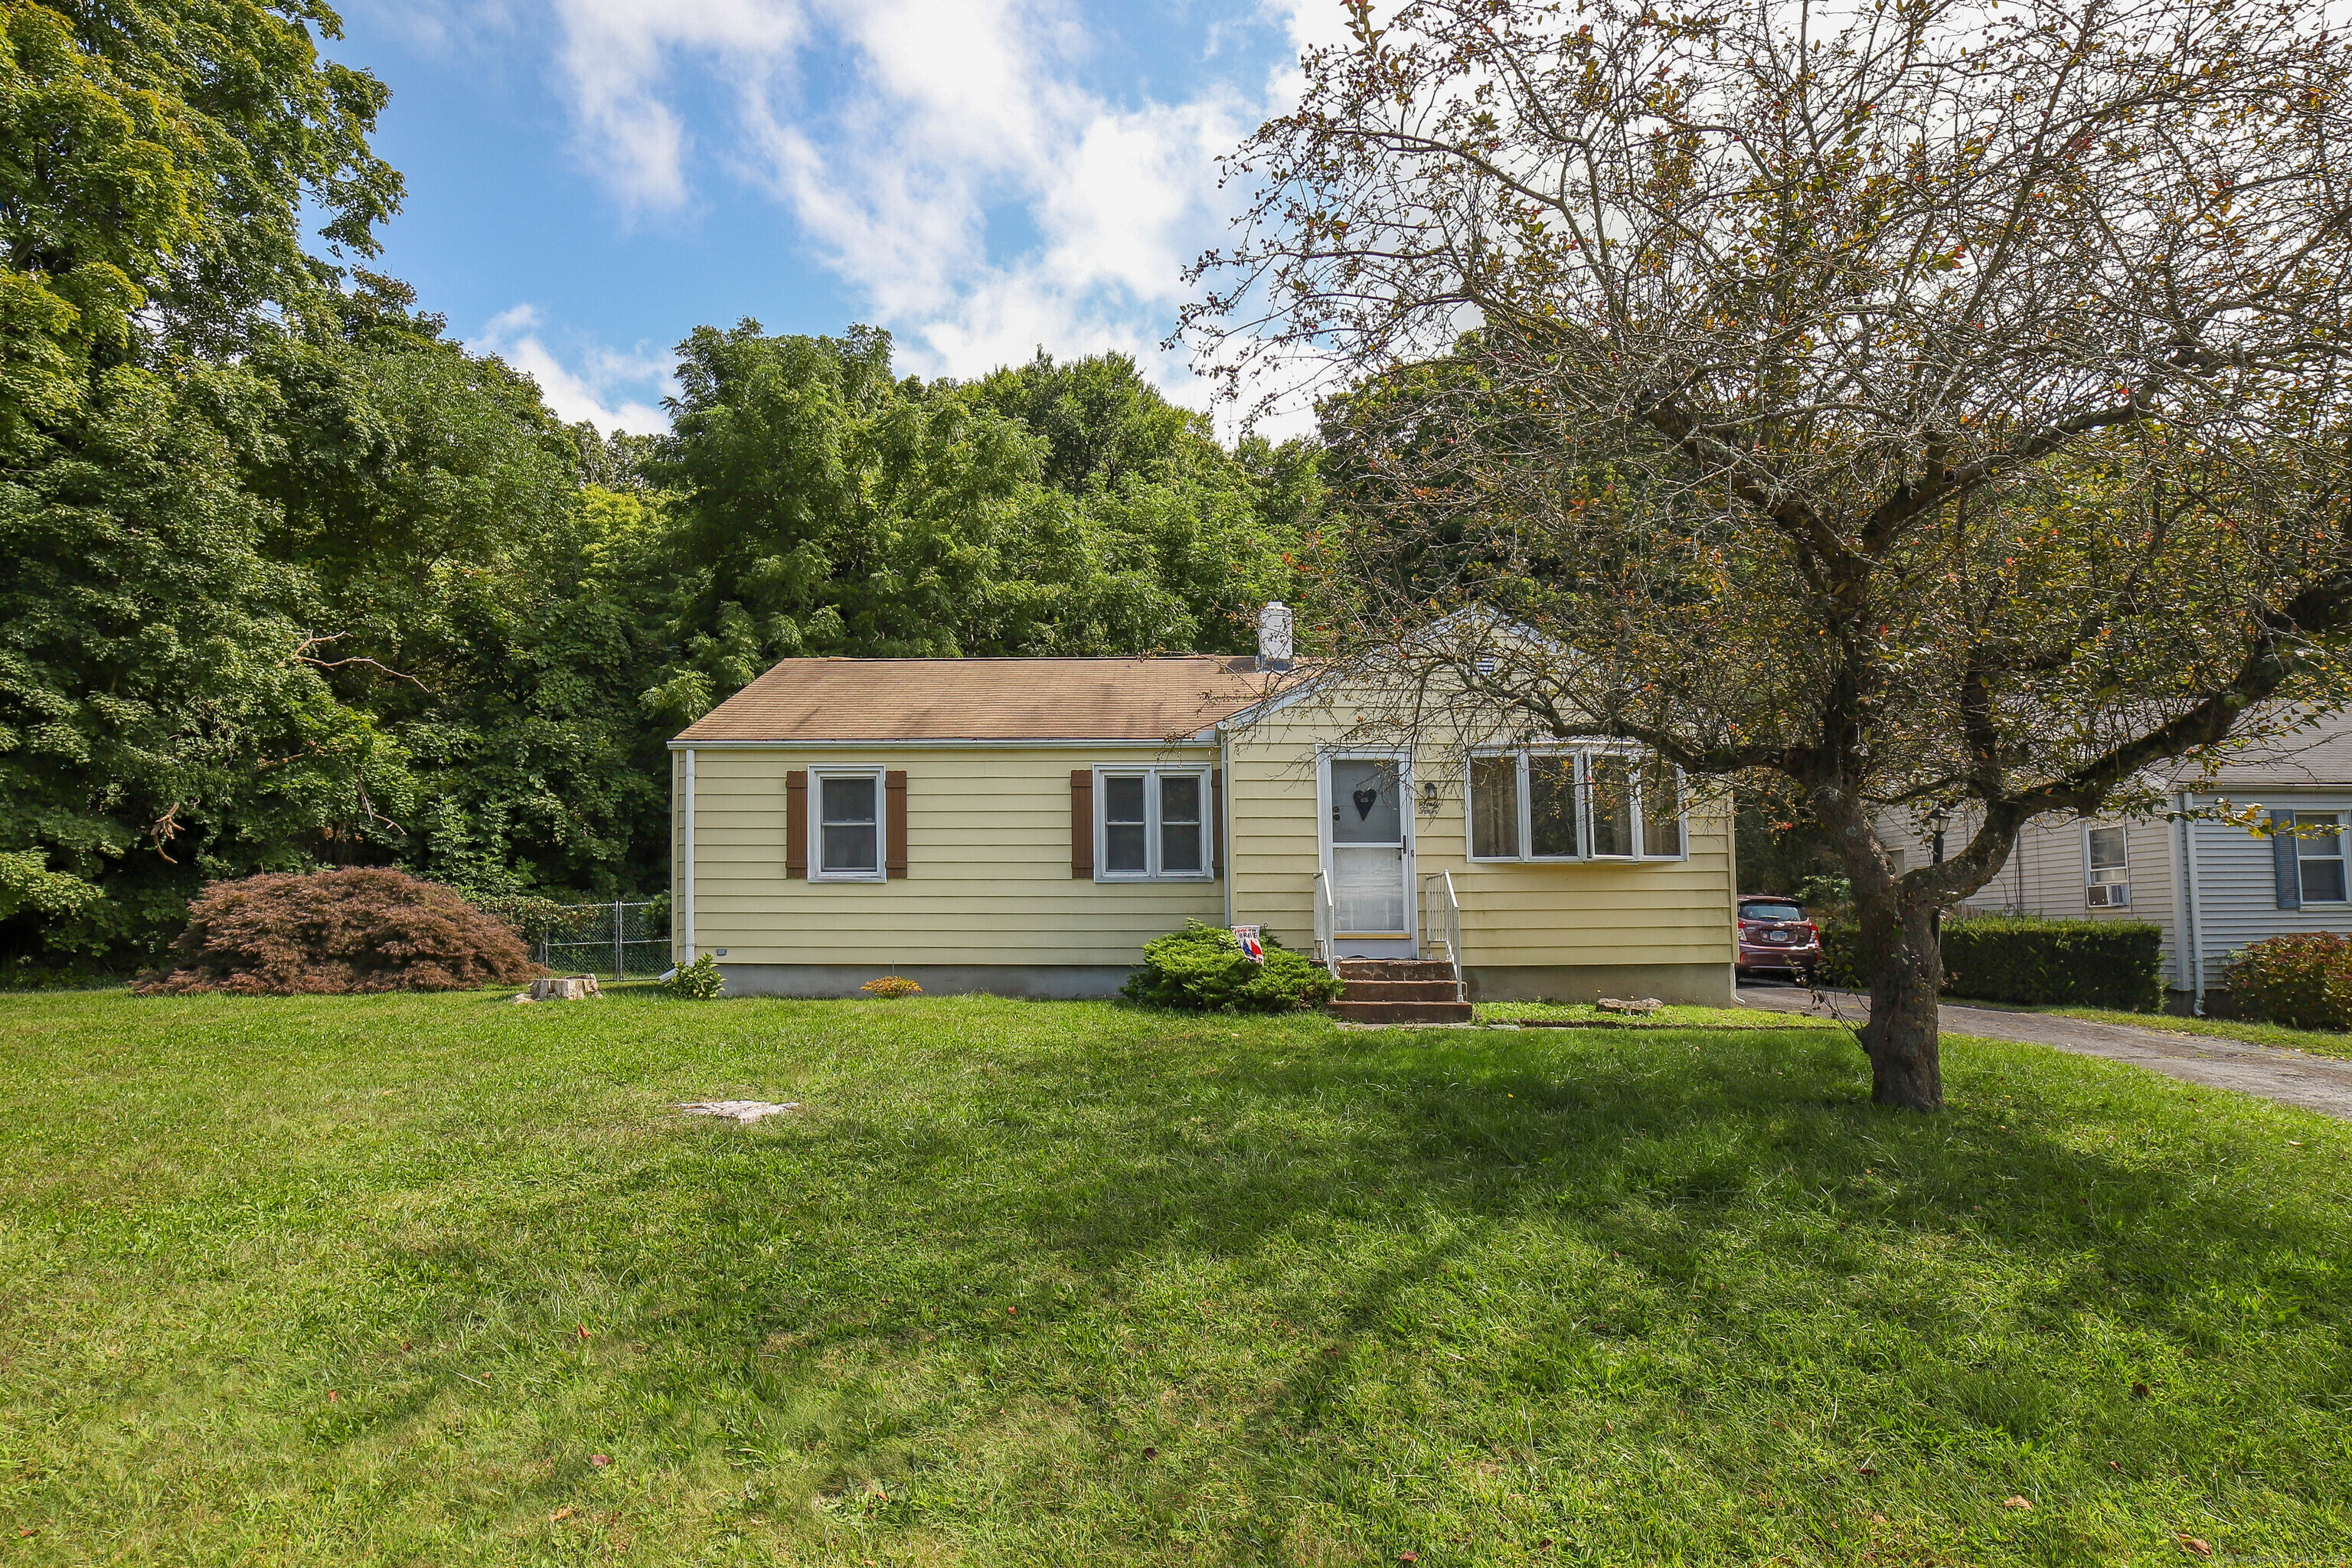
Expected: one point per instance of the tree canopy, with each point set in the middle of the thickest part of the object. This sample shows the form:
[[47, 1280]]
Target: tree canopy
[[1921, 405], [300, 579]]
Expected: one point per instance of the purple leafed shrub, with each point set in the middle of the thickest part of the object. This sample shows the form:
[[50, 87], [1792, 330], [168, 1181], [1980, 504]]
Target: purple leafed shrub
[[327, 932]]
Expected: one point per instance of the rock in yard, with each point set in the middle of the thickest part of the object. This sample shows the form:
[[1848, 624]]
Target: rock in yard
[[1620, 1005], [739, 1109]]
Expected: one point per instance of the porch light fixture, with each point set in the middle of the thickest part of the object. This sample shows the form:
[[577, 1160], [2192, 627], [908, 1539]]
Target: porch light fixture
[[1429, 797]]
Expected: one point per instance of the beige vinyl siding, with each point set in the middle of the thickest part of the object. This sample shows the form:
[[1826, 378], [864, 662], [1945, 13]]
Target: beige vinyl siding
[[1596, 912], [988, 865]]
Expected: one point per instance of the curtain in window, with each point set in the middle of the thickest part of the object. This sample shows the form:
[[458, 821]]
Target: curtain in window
[[1495, 807]]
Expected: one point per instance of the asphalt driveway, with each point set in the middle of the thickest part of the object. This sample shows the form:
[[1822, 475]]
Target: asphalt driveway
[[2291, 1077]]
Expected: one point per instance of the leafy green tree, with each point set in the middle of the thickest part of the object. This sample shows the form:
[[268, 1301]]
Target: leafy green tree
[[1102, 424], [156, 157], [164, 717]]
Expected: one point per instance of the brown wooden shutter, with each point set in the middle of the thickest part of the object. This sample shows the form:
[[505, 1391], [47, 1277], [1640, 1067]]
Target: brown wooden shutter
[[894, 787], [796, 823], [1082, 823], [1217, 821]]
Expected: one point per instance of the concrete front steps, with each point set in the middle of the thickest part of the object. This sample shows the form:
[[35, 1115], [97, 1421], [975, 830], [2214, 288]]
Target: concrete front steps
[[1400, 991]]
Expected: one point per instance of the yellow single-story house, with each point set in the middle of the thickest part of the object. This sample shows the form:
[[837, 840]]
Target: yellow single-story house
[[1025, 826]]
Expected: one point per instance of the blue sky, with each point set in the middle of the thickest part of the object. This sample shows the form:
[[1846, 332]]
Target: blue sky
[[588, 180]]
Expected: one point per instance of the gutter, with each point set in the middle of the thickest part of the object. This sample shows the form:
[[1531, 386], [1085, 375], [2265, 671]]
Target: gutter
[[967, 742], [2192, 939], [1225, 827], [685, 863]]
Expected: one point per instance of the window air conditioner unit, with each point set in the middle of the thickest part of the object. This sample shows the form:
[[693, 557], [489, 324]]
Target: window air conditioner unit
[[2108, 895]]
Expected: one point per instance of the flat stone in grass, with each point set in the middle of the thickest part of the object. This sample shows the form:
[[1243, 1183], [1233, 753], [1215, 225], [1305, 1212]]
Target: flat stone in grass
[[739, 1110]]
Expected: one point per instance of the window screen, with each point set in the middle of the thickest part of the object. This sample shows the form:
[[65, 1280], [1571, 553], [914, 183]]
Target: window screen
[[2320, 855], [1154, 824], [1661, 813], [850, 840], [1180, 823], [1495, 807], [1613, 805], [2107, 850], [1552, 806], [1126, 829]]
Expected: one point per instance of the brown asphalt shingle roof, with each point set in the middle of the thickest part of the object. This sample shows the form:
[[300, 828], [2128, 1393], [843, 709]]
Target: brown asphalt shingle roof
[[987, 700]]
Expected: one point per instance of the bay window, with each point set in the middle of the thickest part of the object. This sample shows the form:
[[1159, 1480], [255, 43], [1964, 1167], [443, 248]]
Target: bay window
[[1602, 804]]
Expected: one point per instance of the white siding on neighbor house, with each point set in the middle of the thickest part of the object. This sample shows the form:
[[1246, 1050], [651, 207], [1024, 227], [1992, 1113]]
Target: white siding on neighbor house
[[2048, 873], [2237, 880], [988, 865]]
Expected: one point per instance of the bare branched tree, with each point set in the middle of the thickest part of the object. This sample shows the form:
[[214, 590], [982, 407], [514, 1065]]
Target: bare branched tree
[[1941, 403]]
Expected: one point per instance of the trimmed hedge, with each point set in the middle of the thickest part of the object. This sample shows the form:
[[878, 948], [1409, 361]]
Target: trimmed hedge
[[2302, 981], [2030, 961]]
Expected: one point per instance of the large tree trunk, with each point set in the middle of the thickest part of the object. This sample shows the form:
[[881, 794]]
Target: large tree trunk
[[1901, 958], [1906, 964]]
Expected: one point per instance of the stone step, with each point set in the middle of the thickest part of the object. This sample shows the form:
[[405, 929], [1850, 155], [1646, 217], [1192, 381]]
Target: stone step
[[1402, 1012], [1395, 969], [1447, 990]]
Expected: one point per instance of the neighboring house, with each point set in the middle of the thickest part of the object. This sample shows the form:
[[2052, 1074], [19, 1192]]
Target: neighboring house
[[1025, 826], [2212, 886]]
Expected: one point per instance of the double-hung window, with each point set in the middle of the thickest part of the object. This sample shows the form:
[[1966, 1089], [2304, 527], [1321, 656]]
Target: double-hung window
[[1154, 823], [2319, 855], [2107, 867], [1573, 805], [849, 824]]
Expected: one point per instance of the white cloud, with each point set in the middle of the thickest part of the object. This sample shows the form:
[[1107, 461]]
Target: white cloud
[[588, 388], [950, 159], [617, 59]]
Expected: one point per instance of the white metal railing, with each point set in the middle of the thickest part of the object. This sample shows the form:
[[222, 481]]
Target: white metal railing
[[1326, 949], [1441, 918]]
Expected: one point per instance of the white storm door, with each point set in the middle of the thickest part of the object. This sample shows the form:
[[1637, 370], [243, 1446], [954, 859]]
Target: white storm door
[[1365, 844]]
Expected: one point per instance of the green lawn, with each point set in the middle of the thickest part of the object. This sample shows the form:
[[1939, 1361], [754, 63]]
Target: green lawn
[[295, 1283]]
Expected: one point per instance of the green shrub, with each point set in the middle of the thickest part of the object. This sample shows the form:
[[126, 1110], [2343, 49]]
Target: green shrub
[[2085, 963], [1203, 967], [2303, 981], [533, 918], [697, 982], [1840, 962], [2029, 960]]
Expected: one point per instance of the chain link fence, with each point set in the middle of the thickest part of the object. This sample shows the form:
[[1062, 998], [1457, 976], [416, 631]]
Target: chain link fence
[[619, 939]]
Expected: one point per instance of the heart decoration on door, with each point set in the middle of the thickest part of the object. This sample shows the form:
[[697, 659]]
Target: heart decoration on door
[[1365, 799]]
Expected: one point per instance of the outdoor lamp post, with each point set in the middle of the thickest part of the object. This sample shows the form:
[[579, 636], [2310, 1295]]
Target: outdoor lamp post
[[1937, 820]]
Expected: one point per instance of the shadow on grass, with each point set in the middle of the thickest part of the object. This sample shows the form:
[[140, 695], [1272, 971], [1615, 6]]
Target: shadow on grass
[[1700, 1229]]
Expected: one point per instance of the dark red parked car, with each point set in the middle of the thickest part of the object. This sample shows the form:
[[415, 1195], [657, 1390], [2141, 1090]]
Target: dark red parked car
[[1775, 938]]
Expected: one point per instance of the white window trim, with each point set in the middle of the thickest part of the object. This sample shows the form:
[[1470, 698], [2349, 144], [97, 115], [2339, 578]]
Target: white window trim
[[1584, 786], [2340, 857], [816, 872], [1151, 846]]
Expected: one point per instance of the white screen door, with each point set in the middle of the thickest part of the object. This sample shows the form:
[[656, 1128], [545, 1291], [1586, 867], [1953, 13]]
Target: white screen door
[[1365, 837]]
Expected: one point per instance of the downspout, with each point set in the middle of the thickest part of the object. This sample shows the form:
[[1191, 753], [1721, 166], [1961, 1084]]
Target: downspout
[[2192, 941], [685, 864], [1225, 808]]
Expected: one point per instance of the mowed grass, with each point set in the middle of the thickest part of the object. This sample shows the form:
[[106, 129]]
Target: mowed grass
[[306, 1281]]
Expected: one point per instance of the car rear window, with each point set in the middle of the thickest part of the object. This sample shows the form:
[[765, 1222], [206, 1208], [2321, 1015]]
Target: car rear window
[[1775, 909]]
